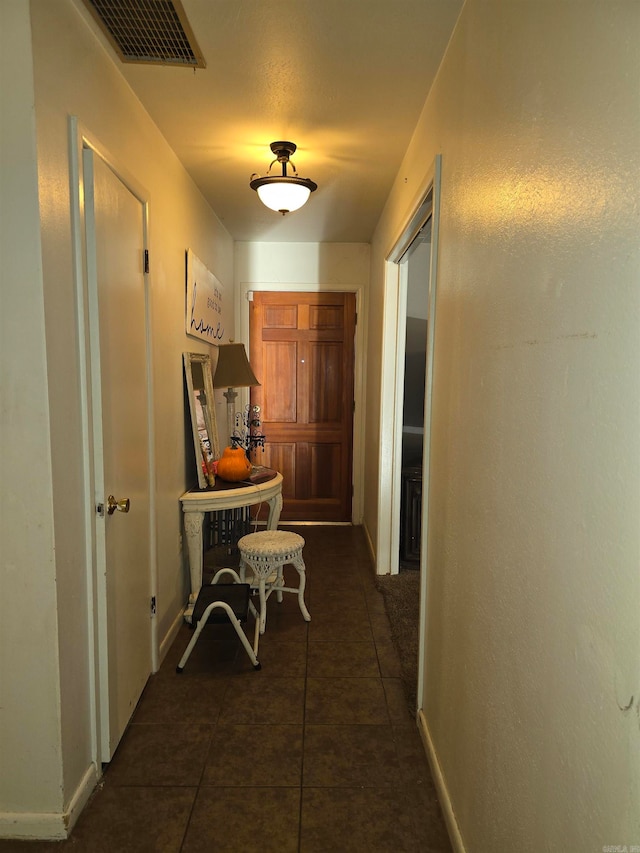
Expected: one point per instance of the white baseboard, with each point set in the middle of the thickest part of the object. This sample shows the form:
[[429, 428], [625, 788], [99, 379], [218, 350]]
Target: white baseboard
[[169, 637], [33, 826], [82, 794], [438, 779], [53, 826]]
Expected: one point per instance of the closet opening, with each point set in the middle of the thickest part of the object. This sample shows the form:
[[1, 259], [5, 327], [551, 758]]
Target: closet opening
[[415, 271]]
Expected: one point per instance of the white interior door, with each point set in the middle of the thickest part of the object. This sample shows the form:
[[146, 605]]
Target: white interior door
[[115, 233]]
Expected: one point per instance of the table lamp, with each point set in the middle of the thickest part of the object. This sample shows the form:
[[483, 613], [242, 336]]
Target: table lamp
[[233, 371]]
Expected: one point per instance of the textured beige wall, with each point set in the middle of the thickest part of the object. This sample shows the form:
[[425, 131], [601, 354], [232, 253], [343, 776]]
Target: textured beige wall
[[45, 763], [532, 678], [30, 740]]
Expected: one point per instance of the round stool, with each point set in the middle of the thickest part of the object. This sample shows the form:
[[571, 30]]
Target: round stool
[[266, 553]]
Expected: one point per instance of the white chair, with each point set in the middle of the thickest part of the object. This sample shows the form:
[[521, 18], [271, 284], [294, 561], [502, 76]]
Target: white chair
[[221, 603], [266, 553]]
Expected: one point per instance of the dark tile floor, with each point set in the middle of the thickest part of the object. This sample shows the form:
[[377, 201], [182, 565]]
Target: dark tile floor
[[316, 752]]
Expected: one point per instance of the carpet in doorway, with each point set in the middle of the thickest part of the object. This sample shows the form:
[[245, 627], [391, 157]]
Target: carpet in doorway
[[401, 594]]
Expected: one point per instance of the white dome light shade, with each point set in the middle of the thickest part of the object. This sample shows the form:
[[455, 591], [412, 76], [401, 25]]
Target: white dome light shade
[[283, 193], [283, 197]]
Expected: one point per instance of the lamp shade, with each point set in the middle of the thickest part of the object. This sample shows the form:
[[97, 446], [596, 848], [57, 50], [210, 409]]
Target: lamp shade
[[233, 369]]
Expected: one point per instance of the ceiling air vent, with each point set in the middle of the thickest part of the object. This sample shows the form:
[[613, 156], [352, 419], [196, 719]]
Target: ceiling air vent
[[148, 31]]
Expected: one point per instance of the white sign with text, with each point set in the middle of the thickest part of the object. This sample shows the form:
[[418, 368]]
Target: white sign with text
[[203, 318]]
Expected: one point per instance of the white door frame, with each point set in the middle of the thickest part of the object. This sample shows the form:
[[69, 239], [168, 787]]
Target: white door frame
[[80, 138], [388, 545], [398, 409], [242, 296]]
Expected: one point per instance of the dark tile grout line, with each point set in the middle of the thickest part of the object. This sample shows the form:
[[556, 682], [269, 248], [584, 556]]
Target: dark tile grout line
[[304, 730], [204, 765]]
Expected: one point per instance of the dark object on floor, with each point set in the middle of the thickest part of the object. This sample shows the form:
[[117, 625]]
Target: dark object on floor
[[401, 594], [221, 603]]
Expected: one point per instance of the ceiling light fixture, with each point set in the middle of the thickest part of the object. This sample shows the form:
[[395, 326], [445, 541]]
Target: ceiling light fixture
[[284, 192]]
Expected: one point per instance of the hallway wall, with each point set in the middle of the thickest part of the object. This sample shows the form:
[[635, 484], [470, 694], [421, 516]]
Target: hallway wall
[[532, 670], [30, 738], [46, 728]]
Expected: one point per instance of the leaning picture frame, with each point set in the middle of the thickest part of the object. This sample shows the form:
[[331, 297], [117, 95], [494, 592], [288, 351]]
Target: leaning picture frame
[[199, 379]]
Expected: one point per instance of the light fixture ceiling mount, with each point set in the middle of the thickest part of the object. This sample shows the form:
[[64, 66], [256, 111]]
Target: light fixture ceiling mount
[[284, 192]]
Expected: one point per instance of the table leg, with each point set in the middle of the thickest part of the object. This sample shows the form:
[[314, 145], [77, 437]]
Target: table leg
[[193, 528], [275, 508]]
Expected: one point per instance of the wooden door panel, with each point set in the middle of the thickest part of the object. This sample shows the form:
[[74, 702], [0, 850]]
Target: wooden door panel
[[279, 374], [324, 465], [319, 471], [325, 368], [302, 352], [281, 317], [325, 317], [282, 457]]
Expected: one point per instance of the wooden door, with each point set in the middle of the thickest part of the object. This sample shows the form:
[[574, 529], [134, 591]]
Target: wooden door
[[115, 245], [302, 351]]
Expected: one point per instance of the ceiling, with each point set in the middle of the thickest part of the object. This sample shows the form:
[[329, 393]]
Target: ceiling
[[343, 79]]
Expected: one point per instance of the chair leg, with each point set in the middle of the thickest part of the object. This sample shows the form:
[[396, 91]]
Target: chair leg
[[242, 570], [300, 567], [263, 605], [280, 582], [256, 629]]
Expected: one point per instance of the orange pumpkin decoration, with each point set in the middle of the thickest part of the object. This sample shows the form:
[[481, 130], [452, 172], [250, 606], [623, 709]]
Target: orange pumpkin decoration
[[233, 465]]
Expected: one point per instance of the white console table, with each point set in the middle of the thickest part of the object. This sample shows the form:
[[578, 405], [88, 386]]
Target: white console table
[[197, 502]]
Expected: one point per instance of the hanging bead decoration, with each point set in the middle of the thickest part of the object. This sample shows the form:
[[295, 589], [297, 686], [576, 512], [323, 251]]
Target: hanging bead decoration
[[246, 433]]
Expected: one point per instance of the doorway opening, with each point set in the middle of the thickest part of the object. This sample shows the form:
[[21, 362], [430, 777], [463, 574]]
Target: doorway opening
[[415, 271], [411, 302]]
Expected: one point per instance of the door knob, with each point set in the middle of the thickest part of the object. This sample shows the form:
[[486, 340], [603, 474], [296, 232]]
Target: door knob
[[113, 505]]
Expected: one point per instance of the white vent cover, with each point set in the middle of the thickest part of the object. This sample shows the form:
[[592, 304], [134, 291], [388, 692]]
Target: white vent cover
[[148, 31]]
